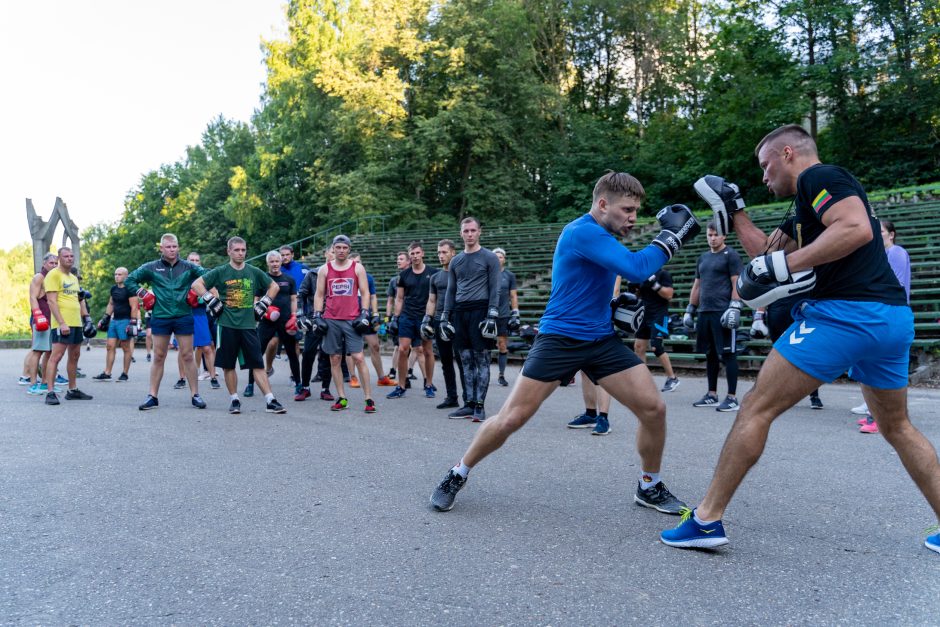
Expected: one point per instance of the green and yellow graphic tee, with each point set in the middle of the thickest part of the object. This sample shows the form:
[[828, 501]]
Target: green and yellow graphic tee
[[237, 290]]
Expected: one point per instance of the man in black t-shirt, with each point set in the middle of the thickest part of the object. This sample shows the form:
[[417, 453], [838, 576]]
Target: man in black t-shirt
[[656, 292], [411, 300], [279, 321], [714, 296], [855, 318], [117, 322]]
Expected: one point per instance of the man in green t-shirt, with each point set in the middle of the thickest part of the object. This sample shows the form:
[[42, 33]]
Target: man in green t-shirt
[[237, 314]]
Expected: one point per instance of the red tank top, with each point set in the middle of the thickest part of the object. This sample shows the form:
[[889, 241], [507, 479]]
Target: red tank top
[[342, 293]]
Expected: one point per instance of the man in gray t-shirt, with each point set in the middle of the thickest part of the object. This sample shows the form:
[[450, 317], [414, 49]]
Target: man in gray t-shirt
[[715, 297], [445, 348], [471, 308]]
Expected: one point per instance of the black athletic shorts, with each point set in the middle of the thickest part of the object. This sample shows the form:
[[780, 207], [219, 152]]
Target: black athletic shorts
[[558, 358], [711, 335], [240, 346], [502, 327], [655, 324]]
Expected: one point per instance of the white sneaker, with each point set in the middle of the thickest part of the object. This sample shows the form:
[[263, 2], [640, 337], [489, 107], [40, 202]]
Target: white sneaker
[[861, 410], [204, 376]]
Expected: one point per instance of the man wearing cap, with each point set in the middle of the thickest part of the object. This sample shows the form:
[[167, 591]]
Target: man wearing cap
[[340, 306]]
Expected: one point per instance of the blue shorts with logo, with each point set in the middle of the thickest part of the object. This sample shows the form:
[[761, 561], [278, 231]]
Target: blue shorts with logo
[[117, 329], [870, 341]]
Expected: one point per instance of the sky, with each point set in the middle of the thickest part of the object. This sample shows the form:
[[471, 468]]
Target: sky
[[97, 93]]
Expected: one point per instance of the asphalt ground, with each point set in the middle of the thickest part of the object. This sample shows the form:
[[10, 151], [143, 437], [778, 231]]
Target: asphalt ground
[[109, 515]]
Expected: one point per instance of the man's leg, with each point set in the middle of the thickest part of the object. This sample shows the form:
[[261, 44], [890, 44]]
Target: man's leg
[[336, 368], [189, 362], [359, 359], [427, 348], [375, 354], [889, 409], [524, 400], [32, 365], [779, 386], [161, 345], [404, 352], [52, 366], [635, 389], [128, 347], [640, 347], [110, 349], [446, 350], [231, 380], [71, 367]]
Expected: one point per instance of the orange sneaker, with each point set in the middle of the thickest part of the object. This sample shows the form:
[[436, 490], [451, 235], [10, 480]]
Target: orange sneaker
[[387, 382], [353, 382]]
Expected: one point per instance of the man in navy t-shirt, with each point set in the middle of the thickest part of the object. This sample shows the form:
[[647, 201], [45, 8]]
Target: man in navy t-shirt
[[855, 319]]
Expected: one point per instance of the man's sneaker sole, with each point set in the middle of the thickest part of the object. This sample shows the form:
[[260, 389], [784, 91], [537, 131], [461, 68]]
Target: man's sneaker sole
[[696, 543], [639, 501]]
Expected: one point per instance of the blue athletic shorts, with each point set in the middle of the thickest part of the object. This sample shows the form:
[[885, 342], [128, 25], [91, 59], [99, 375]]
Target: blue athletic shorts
[[201, 334], [409, 327], [117, 329], [182, 325], [870, 341]]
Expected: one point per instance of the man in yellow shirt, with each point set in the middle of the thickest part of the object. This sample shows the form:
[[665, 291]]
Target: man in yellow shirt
[[68, 313]]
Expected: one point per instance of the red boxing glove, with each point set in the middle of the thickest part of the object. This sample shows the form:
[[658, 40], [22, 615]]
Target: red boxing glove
[[192, 299], [291, 325], [147, 298], [273, 313], [40, 320]]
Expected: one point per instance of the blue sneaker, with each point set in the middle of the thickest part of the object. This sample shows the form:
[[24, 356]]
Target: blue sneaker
[[429, 391], [24, 381], [933, 542], [583, 422], [602, 427], [398, 392], [38, 389], [249, 390], [691, 535], [60, 380]]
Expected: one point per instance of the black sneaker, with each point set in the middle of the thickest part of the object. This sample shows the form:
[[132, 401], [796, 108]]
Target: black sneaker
[[709, 400], [658, 497], [448, 403], [198, 403], [235, 407], [464, 412], [502, 381], [275, 408], [411, 375], [729, 404], [148, 358], [815, 402], [52, 399], [104, 376], [122, 378], [77, 395], [150, 403], [214, 383], [180, 384], [443, 497]]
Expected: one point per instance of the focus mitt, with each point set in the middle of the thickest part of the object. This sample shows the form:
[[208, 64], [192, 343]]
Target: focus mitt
[[724, 199], [767, 279]]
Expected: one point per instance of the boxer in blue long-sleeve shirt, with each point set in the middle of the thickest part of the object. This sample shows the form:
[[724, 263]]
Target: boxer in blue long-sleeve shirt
[[576, 333]]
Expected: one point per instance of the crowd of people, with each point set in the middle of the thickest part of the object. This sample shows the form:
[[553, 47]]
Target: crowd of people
[[819, 284]]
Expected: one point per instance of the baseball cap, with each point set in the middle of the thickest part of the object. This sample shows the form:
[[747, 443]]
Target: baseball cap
[[341, 239]]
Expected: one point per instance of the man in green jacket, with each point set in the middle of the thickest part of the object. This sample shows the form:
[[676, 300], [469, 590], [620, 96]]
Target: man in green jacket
[[169, 278]]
